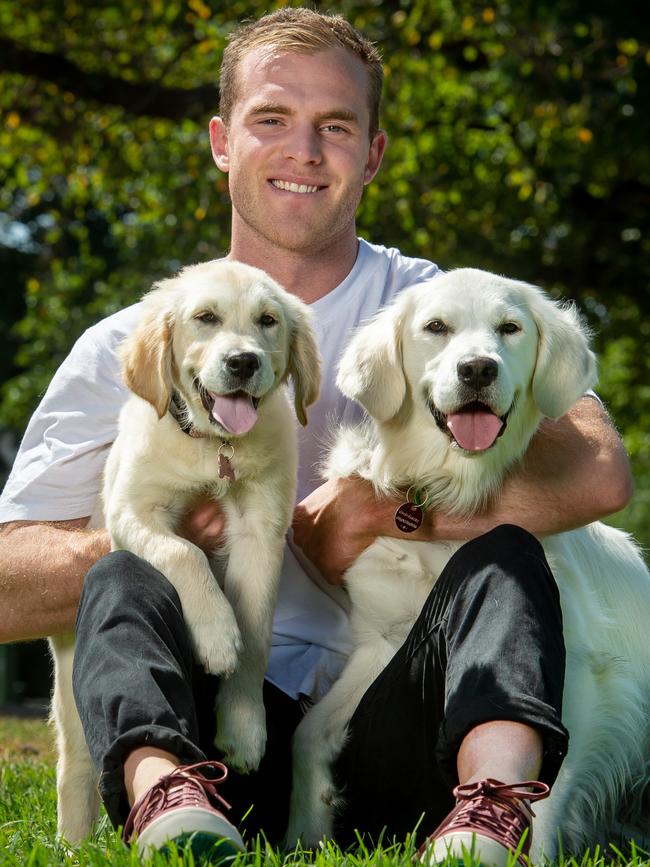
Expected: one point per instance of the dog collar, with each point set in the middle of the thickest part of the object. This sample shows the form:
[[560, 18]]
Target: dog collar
[[178, 411], [408, 517]]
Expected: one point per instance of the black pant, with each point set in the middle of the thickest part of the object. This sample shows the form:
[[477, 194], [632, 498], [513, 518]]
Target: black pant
[[487, 645]]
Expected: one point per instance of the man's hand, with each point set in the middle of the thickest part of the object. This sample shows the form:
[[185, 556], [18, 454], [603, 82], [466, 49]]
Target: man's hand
[[204, 525], [335, 523]]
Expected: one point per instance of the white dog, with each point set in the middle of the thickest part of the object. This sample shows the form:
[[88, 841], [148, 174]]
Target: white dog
[[456, 376], [208, 415]]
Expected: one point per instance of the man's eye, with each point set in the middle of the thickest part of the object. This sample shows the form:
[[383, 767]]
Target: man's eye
[[509, 328], [266, 320], [436, 326], [208, 317]]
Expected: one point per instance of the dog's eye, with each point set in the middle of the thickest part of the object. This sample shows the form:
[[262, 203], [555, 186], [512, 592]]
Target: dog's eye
[[208, 317], [436, 326], [266, 320], [509, 328]]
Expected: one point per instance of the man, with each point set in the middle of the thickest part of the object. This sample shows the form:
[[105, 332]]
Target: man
[[298, 136]]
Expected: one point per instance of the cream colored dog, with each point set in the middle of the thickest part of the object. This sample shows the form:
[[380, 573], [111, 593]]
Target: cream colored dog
[[455, 377], [208, 415]]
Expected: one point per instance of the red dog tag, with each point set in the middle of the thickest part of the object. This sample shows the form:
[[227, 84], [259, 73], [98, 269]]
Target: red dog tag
[[408, 517], [225, 468]]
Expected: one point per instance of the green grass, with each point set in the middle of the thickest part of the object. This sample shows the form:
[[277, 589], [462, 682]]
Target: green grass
[[28, 823]]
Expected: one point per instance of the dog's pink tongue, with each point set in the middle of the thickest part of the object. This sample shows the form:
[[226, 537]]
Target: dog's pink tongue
[[235, 413], [474, 428]]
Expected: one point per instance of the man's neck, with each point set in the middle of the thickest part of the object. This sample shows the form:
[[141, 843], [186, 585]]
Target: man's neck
[[307, 275]]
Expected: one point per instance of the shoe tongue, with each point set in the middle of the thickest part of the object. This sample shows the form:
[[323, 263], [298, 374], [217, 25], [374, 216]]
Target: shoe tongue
[[474, 427], [234, 412]]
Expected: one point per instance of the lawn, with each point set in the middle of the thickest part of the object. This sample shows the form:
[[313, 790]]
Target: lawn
[[28, 822]]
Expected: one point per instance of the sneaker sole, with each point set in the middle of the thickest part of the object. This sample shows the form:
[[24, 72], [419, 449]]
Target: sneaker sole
[[200, 829], [481, 850]]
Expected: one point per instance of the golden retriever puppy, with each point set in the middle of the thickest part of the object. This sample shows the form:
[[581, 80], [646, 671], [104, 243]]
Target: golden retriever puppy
[[455, 377], [209, 414]]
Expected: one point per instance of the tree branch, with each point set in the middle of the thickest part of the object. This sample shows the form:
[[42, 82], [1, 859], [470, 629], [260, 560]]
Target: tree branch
[[145, 98]]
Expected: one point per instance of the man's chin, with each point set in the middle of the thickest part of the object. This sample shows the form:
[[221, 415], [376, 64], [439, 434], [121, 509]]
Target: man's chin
[[298, 238], [297, 229]]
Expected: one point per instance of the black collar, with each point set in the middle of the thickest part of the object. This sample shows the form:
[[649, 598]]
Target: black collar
[[178, 411]]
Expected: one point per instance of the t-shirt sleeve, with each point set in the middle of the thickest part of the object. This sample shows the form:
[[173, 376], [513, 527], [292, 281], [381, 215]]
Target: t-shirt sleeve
[[404, 272], [57, 472]]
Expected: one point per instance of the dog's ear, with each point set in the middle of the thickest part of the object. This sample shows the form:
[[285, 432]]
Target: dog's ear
[[566, 366], [304, 361], [371, 371], [147, 358]]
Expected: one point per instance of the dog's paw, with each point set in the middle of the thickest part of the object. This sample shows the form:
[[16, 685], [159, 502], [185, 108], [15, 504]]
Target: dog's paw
[[217, 642], [309, 827], [241, 730]]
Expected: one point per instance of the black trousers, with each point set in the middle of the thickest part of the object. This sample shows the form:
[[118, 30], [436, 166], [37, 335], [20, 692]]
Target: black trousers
[[488, 645]]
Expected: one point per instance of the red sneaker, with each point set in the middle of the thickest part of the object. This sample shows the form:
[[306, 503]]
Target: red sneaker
[[179, 807], [488, 822]]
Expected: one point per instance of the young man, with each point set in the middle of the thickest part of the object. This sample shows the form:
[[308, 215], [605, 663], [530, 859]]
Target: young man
[[298, 136]]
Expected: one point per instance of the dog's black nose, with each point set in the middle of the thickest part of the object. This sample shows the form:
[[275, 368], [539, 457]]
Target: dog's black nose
[[243, 365], [477, 372]]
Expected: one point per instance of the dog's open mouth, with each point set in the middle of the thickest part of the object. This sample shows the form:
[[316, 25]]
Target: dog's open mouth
[[474, 426], [235, 412]]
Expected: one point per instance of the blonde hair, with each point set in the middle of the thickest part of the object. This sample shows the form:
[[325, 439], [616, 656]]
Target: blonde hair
[[301, 30]]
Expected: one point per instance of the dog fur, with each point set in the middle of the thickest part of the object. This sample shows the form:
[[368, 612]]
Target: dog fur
[[193, 326], [404, 368]]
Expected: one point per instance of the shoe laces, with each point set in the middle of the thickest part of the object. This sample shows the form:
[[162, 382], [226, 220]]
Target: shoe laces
[[500, 808], [185, 786]]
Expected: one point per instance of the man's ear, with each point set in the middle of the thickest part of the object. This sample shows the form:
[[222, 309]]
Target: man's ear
[[375, 155], [219, 143]]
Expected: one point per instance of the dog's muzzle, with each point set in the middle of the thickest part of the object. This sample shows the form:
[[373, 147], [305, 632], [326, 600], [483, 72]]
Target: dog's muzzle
[[242, 365], [235, 412], [474, 426]]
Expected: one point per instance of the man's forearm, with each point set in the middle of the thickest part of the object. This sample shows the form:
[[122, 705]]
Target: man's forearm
[[42, 568]]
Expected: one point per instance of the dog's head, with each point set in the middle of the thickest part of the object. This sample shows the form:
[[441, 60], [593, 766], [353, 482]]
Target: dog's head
[[224, 335], [469, 351]]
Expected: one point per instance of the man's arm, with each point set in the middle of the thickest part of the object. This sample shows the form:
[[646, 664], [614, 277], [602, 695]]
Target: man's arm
[[43, 565], [576, 471]]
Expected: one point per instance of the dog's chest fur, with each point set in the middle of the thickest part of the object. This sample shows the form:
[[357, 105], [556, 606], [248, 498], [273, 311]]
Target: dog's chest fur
[[163, 470], [389, 583]]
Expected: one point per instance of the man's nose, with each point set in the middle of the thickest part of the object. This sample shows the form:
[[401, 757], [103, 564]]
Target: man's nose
[[303, 145]]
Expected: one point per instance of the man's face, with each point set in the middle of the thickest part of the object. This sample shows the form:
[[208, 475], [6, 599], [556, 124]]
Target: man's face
[[297, 148]]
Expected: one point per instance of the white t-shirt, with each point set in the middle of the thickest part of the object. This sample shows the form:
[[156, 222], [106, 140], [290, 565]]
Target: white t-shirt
[[57, 472]]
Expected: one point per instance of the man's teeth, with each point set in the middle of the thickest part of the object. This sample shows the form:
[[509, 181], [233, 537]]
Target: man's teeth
[[294, 188]]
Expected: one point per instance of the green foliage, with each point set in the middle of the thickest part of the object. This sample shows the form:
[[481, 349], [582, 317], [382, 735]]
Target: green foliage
[[519, 143]]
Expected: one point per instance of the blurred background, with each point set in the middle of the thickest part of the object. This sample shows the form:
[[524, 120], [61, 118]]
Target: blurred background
[[519, 143]]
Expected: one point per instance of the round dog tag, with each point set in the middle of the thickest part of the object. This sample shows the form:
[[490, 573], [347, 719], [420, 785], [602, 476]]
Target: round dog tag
[[408, 517]]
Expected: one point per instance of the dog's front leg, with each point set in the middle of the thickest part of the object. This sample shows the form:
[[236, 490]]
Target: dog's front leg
[[210, 619], [256, 547], [318, 740]]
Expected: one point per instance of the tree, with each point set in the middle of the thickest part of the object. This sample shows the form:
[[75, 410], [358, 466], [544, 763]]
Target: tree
[[518, 144]]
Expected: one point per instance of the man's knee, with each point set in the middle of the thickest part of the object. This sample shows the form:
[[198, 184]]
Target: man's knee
[[508, 538], [508, 548], [507, 555], [123, 579]]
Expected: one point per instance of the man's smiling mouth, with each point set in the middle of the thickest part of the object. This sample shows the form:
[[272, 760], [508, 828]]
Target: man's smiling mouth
[[295, 188]]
